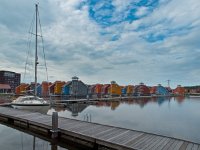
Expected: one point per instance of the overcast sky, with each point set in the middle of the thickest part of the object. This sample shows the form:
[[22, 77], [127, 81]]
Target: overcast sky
[[128, 41]]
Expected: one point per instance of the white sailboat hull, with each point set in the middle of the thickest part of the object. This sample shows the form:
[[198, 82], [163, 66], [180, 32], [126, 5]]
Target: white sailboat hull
[[36, 108], [30, 103]]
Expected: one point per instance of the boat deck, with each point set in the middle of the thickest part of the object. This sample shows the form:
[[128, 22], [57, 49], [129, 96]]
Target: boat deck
[[93, 134]]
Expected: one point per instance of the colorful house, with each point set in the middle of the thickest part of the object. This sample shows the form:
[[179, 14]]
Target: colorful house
[[114, 89], [141, 90], [159, 90], [78, 88], [51, 88], [124, 90], [58, 87], [98, 89], [45, 88], [179, 90], [129, 90], [39, 90], [104, 90], [21, 89], [91, 89], [66, 88]]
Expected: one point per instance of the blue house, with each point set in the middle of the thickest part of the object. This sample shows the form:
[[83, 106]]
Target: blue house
[[160, 90], [66, 88], [123, 90], [39, 90]]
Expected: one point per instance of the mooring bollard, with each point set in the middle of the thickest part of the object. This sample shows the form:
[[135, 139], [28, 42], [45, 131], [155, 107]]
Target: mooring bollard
[[54, 130]]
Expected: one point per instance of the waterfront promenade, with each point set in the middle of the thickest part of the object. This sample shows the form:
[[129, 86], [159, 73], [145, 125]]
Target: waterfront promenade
[[93, 135]]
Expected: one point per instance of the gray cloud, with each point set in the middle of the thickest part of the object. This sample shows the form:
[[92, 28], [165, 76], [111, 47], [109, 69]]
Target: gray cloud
[[77, 45]]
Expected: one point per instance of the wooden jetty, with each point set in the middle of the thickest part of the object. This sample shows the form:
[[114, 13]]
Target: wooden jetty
[[93, 135]]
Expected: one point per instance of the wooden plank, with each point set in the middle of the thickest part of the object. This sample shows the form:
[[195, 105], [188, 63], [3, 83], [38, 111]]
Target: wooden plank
[[162, 145], [134, 140], [199, 147], [63, 123], [96, 130], [93, 130], [189, 146], [195, 147], [125, 137], [86, 127], [176, 145], [144, 143], [155, 143], [168, 144], [152, 142], [72, 126], [40, 118], [143, 139], [184, 146], [27, 114], [118, 135], [68, 125], [37, 118], [110, 134], [79, 127]]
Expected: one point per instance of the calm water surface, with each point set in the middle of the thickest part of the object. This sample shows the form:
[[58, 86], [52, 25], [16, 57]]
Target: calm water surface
[[176, 117], [13, 139]]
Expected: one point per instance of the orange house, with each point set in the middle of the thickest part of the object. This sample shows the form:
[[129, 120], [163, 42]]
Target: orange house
[[45, 89], [21, 89], [98, 88], [179, 90]]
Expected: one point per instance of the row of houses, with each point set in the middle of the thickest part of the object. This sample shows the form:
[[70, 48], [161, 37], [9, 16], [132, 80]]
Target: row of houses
[[76, 88], [114, 89]]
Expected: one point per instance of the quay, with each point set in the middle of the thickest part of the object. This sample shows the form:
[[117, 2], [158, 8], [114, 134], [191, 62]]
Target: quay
[[92, 135]]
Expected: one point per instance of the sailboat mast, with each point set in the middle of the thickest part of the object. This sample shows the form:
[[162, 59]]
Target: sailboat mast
[[36, 40]]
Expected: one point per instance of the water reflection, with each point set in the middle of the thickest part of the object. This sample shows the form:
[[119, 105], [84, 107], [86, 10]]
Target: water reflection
[[141, 102], [14, 139], [76, 108]]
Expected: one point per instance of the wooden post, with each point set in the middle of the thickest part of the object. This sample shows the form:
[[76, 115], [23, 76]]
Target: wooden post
[[54, 130]]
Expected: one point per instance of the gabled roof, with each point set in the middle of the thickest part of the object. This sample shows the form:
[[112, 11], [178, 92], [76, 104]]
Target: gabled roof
[[68, 83], [5, 86]]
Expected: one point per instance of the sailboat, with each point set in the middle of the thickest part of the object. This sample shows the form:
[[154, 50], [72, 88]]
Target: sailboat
[[32, 102]]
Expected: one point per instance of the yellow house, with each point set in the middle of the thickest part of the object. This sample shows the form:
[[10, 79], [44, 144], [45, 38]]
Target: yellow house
[[114, 89], [129, 90], [58, 87]]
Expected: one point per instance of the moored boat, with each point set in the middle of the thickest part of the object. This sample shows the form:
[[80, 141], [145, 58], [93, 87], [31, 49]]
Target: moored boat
[[30, 102]]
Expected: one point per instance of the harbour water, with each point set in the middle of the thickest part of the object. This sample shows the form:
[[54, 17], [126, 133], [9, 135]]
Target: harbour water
[[15, 139], [174, 117]]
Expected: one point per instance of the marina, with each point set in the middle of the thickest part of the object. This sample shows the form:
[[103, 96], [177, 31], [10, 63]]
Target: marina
[[99, 75], [94, 131]]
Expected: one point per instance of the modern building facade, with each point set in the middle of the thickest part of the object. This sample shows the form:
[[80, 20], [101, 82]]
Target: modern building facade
[[10, 78]]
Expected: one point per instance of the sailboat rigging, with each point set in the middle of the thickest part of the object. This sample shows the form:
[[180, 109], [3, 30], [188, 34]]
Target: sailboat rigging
[[32, 101]]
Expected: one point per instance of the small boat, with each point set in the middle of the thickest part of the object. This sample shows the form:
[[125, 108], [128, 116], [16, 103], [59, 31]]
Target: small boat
[[32, 102], [29, 101]]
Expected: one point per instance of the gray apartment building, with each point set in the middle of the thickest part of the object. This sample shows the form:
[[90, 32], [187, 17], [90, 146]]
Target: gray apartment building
[[10, 78]]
